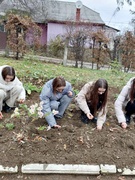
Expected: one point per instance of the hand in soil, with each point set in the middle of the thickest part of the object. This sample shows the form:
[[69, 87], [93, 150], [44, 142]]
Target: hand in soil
[[124, 125], [57, 126], [99, 128], [90, 116], [1, 115]]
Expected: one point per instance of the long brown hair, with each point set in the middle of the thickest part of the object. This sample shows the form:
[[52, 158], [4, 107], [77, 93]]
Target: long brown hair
[[132, 91], [8, 70], [58, 82], [92, 95]]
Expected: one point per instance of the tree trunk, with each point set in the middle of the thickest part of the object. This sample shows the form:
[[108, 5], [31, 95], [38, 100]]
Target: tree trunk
[[65, 53], [76, 63], [17, 51]]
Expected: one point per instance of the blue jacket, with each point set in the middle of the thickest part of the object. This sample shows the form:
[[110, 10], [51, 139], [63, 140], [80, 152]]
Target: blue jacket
[[50, 99]]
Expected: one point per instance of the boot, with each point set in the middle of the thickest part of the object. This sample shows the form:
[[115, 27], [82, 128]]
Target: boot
[[128, 118], [6, 108], [84, 118]]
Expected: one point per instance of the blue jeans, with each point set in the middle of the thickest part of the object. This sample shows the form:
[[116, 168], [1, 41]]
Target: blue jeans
[[61, 105]]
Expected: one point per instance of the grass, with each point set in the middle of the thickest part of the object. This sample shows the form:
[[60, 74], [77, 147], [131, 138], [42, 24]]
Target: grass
[[36, 70]]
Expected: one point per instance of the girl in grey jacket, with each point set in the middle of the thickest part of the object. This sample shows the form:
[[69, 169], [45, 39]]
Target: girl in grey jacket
[[125, 103], [56, 95], [92, 100]]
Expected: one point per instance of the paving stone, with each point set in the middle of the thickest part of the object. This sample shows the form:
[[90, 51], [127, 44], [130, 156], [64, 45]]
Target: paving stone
[[8, 169], [32, 167], [127, 171], [108, 168], [60, 169]]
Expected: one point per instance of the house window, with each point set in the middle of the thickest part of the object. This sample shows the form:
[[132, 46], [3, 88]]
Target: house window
[[2, 29]]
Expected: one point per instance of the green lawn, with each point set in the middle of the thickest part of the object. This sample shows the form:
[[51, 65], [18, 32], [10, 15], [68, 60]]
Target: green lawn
[[29, 70]]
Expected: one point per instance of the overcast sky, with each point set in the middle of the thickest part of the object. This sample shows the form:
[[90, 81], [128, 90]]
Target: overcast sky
[[107, 8]]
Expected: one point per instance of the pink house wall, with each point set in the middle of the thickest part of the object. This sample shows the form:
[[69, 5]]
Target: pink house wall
[[52, 30], [43, 38], [55, 30], [3, 38]]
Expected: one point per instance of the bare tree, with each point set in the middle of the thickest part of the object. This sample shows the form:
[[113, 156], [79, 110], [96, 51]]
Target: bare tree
[[127, 48], [99, 48], [38, 9], [84, 37], [78, 42], [17, 30], [121, 2], [115, 48], [78, 36]]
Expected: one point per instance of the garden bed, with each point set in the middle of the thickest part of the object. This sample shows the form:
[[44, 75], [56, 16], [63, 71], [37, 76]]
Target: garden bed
[[74, 143]]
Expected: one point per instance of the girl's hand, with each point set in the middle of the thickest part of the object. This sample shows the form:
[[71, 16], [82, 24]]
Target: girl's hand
[[124, 125], [1, 115], [57, 126], [99, 128], [21, 101], [70, 93], [90, 116]]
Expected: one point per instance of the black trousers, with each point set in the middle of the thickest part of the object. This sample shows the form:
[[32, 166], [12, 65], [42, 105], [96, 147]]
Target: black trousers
[[130, 108], [84, 117]]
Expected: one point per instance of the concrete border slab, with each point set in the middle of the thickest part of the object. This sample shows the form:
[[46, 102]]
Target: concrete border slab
[[108, 169], [127, 171], [8, 169], [60, 169]]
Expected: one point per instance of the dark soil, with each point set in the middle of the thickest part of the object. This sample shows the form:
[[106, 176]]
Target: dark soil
[[74, 143]]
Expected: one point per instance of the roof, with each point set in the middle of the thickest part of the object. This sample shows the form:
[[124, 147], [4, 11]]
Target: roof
[[109, 27], [59, 11], [63, 11]]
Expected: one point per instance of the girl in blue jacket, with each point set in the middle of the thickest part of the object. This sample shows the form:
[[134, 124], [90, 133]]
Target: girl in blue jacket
[[56, 95]]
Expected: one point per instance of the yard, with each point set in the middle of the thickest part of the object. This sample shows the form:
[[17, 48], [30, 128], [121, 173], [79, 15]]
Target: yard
[[29, 141]]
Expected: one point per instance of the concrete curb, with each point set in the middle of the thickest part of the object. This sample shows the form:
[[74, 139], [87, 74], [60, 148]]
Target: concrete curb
[[127, 171], [108, 169], [80, 169], [61, 169], [8, 169]]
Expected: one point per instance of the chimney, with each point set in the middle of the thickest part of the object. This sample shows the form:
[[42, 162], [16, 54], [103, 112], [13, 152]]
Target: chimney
[[77, 14], [78, 10]]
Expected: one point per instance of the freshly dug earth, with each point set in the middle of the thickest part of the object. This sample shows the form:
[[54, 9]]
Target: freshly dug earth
[[74, 143]]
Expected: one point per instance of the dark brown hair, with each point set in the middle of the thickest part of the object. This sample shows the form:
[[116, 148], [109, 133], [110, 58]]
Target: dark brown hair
[[8, 70], [132, 91], [92, 95], [58, 82]]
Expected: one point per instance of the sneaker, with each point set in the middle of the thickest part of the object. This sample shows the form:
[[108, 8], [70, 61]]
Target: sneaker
[[6, 108], [84, 118], [128, 118], [94, 120]]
